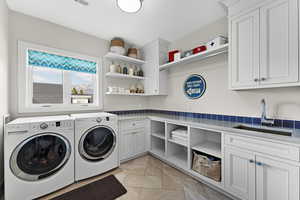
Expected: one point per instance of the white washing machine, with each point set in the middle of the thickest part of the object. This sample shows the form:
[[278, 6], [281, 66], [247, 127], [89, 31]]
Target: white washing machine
[[96, 144], [38, 156]]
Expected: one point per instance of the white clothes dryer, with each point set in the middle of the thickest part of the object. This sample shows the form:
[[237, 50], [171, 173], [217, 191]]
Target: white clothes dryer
[[96, 144]]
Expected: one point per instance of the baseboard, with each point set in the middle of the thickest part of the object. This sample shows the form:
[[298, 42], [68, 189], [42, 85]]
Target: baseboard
[[134, 157]]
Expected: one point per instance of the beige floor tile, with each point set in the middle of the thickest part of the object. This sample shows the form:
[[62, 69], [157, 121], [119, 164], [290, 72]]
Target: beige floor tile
[[147, 178], [134, 180], [170, 183], [132, 194], [158, 194], [153, 171], [152, 182]]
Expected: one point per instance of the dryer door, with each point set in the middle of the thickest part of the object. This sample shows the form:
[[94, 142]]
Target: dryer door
[[40, 156], [97, 143]]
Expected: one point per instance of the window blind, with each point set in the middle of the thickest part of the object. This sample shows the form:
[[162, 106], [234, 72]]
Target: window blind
[[43, 59]]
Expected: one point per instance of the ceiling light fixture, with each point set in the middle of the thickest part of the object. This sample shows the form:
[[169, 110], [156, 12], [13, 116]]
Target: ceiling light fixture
[[82, 2], [130, 6]]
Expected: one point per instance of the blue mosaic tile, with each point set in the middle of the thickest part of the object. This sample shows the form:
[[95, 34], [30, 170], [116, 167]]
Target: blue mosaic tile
[[248, 120], [214, 117], [278, 123], [288, 124], [232, 118], [226, 118], [240, 119], [256, 120], [297, 124], [220, 117]]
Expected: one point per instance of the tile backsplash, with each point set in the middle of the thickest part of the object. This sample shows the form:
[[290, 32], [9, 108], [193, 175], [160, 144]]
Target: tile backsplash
[[248, 120]]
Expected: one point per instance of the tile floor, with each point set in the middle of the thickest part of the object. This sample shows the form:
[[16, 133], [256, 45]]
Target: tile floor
[[147, 178]]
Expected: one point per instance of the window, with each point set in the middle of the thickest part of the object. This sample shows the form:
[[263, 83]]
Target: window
[[56, 80]]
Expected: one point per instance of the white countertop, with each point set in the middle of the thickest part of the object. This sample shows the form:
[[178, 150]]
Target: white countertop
[[221, 126]]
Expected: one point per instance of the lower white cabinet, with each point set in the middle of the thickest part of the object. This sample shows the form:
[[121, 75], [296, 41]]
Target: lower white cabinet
[[253, 177], [133, 138], [240, 173], [132, 143], [276, 180]]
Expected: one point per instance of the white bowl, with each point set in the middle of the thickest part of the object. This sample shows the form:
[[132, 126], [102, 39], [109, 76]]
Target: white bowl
[[118, 50]]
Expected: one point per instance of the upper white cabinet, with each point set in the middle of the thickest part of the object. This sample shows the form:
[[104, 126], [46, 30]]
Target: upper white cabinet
[[244, 50], [279, 42], [156, 54], [264, 46]]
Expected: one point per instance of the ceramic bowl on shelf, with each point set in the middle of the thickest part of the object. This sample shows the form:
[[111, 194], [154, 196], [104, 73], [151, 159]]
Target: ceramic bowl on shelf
[[118, 50]]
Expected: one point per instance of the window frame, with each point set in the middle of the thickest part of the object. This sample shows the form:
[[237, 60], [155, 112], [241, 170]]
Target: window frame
[[25, 82]]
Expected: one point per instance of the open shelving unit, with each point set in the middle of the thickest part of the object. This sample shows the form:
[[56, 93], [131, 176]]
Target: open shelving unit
[[206, 141], [178, 155], [158, 146], [158, 129], [114, 56], [125, 94], [118, 75], [210, 148], [197, 57]]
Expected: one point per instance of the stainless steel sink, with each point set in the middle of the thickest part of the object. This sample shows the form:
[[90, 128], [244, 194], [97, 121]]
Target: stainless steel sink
[[264, 130]]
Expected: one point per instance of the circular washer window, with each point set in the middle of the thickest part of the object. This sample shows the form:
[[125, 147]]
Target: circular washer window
[[97, 143], [40, 156]]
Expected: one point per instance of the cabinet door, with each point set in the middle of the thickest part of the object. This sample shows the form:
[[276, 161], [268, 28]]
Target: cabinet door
[[276, 180], [140, 142], [127, 145], [240, 173], [244, 50], [279, 42]]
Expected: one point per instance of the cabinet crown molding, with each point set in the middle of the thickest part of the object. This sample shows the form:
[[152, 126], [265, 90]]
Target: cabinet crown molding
[[229, 3]]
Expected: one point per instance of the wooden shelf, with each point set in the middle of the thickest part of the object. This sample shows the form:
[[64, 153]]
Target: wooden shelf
[[197, 57], [158, 135], [131, 94], [211, 148], [114, 56], [118, 75]]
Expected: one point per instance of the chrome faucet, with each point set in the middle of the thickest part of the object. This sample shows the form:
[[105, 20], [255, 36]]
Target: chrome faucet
[[264, 119]]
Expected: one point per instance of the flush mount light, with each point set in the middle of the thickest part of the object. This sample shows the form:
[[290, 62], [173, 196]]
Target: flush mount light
[[82, 2], [130, 6]]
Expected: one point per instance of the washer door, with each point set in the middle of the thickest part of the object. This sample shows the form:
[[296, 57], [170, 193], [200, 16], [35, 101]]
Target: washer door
[[97, 143], [40, 156]]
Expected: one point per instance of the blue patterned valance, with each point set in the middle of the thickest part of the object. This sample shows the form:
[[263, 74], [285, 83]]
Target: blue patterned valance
[[42, 59]]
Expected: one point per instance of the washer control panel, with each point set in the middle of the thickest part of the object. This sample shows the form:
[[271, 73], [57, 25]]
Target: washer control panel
[[52, 125]]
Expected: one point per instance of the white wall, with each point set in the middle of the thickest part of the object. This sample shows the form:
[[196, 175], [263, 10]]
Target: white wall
[[282, 103], [3, 75], [30, 29]]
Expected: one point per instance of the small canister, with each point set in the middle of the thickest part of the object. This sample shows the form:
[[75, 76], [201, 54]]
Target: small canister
[[113, 68]]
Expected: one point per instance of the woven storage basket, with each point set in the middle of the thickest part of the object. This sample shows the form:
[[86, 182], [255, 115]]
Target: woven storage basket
[[206, 167], [117, 42]]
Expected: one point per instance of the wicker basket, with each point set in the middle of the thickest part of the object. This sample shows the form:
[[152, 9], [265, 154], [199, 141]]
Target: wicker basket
[[119, 42], [206, 167]]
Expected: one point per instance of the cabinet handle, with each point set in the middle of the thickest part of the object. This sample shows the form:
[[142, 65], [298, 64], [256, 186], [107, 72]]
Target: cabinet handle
[[251, 161], [263, 79], [256, 79], [259, 164]]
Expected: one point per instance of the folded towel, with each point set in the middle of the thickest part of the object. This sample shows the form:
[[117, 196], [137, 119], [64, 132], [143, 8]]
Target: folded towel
[[180, 131], [179, 137]]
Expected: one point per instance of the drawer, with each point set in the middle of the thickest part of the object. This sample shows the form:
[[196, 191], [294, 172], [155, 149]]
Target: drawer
[[274, 149], [132, 124]]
